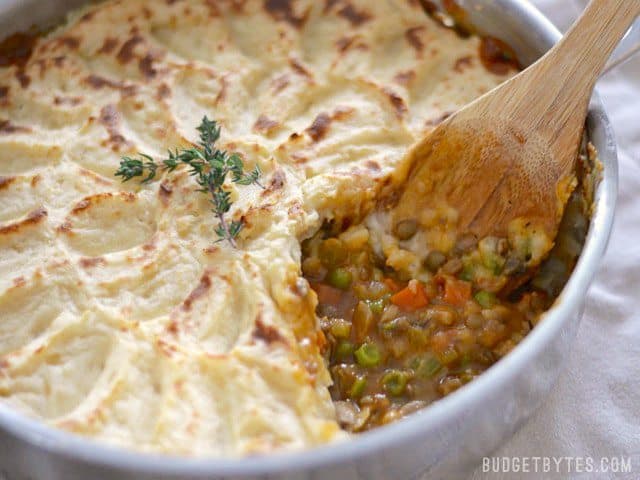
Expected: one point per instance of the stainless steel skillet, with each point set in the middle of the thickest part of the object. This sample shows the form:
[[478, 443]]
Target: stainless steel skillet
[[444, 441]]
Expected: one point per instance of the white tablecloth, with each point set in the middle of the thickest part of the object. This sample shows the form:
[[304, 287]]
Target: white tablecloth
[[595, 408]]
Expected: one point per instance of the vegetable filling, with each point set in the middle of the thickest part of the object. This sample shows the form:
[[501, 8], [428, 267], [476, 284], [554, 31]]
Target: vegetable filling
[[395, 344]]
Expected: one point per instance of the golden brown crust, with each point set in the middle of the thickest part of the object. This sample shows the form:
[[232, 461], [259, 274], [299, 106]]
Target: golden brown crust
[[165, 333]]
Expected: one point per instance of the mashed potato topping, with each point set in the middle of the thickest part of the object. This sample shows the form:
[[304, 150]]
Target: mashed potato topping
[[121, 319]]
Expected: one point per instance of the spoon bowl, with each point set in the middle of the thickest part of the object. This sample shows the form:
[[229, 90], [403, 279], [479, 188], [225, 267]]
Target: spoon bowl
[[505, 164]]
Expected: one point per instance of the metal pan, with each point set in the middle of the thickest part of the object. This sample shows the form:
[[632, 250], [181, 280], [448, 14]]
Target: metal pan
[[445, 440]]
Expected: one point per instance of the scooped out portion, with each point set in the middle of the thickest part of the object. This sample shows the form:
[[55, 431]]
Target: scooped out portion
[[397, 343], [411, 315], [483, 177]]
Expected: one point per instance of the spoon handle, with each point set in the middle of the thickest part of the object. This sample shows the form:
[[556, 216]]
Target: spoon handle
[[562, 81], [584, 50]]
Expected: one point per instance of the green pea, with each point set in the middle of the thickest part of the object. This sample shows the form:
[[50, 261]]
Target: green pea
[[426, 367], [493, 262], [368, 355], [467, 274], [340, 278], [376, 306], [395, 382], [343, 350], [357, 389], [485, 299]]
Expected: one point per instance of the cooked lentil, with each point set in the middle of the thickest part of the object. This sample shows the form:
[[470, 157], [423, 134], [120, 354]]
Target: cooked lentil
[[395, 345]]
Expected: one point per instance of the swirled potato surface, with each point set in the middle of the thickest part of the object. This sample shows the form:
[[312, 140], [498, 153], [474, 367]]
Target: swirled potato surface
[[121, 318]]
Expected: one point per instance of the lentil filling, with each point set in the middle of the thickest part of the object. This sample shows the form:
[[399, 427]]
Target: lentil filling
[[395, 345], [397, 342]]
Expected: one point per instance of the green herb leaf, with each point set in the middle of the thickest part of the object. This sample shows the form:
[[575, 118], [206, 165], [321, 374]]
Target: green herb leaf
[[136, 167], [235, 228], [249, 178], [209, 166], [209, 132]]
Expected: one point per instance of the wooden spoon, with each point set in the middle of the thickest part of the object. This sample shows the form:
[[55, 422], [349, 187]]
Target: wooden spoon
[[506, 162]]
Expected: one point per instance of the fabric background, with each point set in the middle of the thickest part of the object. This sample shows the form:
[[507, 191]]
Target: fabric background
[[595, 407]]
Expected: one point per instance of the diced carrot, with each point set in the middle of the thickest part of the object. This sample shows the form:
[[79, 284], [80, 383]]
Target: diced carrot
[[392, 284], [327, 294], [456, 292], [412, 297]]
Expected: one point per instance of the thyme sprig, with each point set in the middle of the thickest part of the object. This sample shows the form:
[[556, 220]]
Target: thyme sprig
[[210, 168]]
